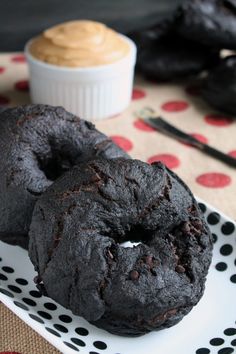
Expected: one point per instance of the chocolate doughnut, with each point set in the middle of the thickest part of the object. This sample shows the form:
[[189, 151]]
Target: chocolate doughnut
[[172, 58], [76, 233], [219, 88], [211, 22], [38, 143], [164, 55]]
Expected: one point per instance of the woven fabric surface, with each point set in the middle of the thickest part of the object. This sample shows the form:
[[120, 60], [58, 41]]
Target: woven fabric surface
[[16, 336]]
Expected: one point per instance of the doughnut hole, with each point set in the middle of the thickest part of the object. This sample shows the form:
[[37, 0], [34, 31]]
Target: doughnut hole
[[137, 235], [58, 159]]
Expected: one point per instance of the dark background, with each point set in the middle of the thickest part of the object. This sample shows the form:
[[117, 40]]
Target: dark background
[[23, 19]]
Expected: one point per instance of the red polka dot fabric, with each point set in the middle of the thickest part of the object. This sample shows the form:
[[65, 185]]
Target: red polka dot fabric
[[138, 94], [122, 142], [18, 58], [141, 125], [232, 153], [22, 85], [171, 161], [180, 105], [174, 106], [214, 180], [218, 120]]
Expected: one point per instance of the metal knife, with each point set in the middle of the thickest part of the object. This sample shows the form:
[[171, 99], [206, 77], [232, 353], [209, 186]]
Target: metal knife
[[164, 127]]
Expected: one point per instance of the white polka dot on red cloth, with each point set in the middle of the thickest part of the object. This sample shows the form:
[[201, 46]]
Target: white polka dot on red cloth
[[20, 58], [138, 94], [232, 153], [141, 125], [174, 106], [171, 161], [214, 180], [22, 85], [2, 69], [4, 99], [122, 142], [218, 120]]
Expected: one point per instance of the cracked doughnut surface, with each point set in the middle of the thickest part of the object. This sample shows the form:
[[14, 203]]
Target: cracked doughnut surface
[[38, 143], [76, 233]]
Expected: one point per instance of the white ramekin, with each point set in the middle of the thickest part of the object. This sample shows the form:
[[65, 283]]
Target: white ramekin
[[93, 93]]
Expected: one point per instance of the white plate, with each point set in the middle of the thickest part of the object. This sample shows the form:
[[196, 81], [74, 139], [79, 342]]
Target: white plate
[[209, 328]]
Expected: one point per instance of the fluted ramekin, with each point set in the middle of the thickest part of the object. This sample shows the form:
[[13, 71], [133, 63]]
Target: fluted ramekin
[[93, 93]]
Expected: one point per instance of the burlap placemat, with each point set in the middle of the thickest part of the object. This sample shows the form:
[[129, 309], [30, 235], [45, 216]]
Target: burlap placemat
[[16, 336], [181, 105]]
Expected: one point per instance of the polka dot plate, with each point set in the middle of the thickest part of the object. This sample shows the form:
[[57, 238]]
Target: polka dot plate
[[209, 328]]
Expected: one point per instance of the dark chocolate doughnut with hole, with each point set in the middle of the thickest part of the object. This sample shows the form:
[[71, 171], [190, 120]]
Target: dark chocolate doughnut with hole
[[76, 236], [38, 143]]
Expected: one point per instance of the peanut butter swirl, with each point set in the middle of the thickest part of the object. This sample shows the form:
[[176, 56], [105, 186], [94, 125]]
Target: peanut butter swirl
[[79, 44]]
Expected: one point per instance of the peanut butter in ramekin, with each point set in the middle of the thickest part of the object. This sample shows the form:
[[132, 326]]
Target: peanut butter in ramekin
[[79, 43]]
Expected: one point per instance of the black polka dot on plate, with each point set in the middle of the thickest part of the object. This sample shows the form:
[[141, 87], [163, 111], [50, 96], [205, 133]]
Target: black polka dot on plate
[[21, 281], [221, 266], [50, 306], [213, 218], [45, 315], [93, 353], [78, 342], [52, 331], [203, 351], [233, 342], [235, 262], [6, 292], [36, 318], [15, 289], [3, 277], [60, 328], [233, 278], [100, 345], [71, 346], [65, 318], [227, 228], [226, 350], [82, 331], [230, 331], [35, 293], [214, 238], [8, 269], [216, 341], [202, 207], [22, 306], [29, 301], [0, 259], [226, 250]]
